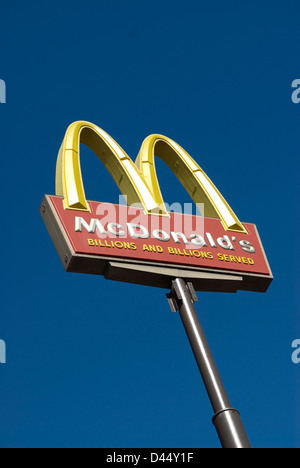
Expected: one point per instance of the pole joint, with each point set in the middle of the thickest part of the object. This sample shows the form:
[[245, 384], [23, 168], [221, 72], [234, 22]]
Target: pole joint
[[175, 297], [232, 410]]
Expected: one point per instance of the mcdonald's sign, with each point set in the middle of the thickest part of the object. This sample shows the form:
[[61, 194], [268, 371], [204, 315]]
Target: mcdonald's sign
[[145, 242]]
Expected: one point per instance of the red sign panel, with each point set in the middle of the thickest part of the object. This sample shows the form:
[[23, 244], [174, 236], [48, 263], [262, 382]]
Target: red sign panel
[[123, 232]]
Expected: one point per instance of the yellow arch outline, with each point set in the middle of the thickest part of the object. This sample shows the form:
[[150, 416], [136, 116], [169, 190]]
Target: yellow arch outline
[[138, 182], [69, 182], [198, 185]]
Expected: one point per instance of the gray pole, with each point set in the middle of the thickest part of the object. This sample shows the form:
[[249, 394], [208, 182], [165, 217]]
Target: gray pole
[[226, 420]]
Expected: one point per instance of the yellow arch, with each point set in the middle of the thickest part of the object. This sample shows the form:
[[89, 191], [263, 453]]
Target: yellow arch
[[69, 182], [138, 181], [198, 185]]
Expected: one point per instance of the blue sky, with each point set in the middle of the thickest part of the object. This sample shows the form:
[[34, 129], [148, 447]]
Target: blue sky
[[103, 364]]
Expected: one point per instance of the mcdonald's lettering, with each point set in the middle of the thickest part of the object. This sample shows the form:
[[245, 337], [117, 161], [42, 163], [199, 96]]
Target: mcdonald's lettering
[[137, 231], [143, 242]]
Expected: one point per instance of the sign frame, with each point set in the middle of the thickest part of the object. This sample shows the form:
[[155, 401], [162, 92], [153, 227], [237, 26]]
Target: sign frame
[[147, 273]]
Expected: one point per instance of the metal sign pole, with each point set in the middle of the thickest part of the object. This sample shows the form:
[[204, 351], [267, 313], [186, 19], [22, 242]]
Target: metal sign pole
[[226, 420]]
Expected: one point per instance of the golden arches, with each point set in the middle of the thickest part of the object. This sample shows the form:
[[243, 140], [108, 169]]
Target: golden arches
[[198, 185], [69, 182], [138, 181]]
